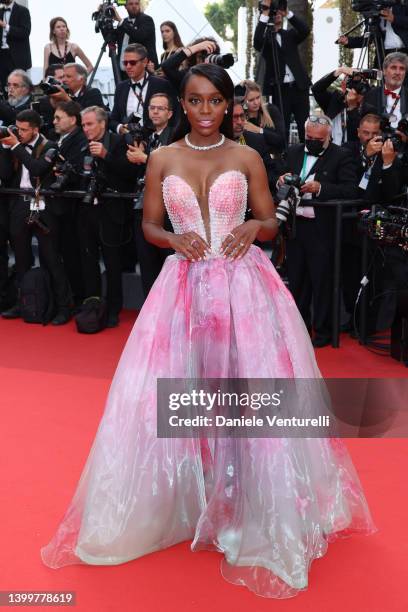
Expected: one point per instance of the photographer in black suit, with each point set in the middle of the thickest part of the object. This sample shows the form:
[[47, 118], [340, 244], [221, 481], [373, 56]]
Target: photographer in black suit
[[105, 224], [19, 98], [75, 77], [327, 172], [343, 107], [24, 164], [151, 258], [392, 99], [15, 28], [133, 95], [136, 28], [292, 78], [72, 145], [393, 29]]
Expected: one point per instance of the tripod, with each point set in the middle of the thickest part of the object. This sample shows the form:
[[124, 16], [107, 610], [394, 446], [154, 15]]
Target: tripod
[[111, 44], [270, 37], [371, 36]]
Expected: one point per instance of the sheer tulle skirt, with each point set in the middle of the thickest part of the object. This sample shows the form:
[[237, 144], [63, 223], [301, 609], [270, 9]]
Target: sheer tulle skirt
[[269, 505]]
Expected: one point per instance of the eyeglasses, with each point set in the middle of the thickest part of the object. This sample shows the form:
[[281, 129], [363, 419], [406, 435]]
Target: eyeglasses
[[14, 86], [158, 108], [240, 116], [133, 62], [321, 120]]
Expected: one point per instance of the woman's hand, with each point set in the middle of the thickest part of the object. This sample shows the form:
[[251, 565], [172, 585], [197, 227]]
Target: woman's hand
[[236, 244], [190, 244], [250, 127]]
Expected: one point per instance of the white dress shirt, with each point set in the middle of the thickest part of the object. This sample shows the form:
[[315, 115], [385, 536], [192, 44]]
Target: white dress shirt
[[6, 29], [392, 40], [288, 77], [25, 182]]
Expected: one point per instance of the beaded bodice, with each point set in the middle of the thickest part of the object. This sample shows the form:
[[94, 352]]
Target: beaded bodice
[[227, 202]]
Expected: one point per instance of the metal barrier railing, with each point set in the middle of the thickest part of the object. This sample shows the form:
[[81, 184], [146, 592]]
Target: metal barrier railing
[[339, 206]]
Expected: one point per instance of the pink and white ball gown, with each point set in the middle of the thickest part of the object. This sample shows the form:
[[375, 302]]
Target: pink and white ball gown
[[271, 506]]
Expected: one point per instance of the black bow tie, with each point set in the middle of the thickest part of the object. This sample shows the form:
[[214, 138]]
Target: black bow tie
[[28, 146], [6, 10], [137, 85]]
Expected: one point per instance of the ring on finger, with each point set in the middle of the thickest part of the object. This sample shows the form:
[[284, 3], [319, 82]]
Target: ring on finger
[[194, 243], [242, 244]]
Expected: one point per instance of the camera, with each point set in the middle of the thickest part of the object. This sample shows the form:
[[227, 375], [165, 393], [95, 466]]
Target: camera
[[65, 171], [95, 179], [51, 85], [276, 5], [373, 8], [4, 131], [225, 60], [386, 225], [136, 132], [390, 133], [288, 198], [359, 80], [104, 18]]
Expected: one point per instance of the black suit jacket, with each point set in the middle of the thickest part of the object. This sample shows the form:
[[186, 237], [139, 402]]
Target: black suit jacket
[[18, 37], [118, 114], [11, 163], [142, 32], [89, 96], [375, 101], [373, 191], [399, 25], [288, 54], [8, 113], [335, 171], [257, 142], [73, 148]]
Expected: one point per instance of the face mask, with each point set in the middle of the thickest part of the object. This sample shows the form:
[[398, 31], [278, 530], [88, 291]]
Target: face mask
[[315, 147]]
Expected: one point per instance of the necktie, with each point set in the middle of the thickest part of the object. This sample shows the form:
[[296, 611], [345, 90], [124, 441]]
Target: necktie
[[393, 95]]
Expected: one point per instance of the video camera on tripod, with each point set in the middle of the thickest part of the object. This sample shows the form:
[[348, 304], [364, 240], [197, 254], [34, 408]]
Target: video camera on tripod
[[388, 226], [373, 8], [105, 16]]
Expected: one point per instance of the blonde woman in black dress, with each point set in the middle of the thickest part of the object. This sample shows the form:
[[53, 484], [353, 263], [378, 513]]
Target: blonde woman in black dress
[[60, 50]]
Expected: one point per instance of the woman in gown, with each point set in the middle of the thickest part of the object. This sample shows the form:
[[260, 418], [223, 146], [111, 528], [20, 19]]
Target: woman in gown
[[217, 310]]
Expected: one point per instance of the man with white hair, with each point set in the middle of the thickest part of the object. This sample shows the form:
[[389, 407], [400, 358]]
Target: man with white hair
[[19, 98], [327, 172]]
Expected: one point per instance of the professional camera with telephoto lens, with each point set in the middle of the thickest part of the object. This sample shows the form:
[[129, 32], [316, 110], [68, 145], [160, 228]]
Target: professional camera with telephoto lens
[[287, 198], [51, 85], [225, 60], [373, 8], [359, 80], [95, 180], [276, 5], [4, 131], [390, 133], [137, 133], [388, 226]]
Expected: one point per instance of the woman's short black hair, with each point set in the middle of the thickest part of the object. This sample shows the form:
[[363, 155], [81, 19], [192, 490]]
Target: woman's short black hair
[[221, 80]]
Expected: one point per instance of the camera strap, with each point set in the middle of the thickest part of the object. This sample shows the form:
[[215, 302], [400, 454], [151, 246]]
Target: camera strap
[[37, 203], [139, 96], [303, 175]]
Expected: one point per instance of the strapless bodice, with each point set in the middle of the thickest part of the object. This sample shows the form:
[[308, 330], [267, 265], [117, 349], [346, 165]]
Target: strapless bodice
[[227, 202]]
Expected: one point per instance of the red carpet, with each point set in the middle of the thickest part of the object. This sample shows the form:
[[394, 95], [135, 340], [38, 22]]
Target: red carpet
[[54, 383]]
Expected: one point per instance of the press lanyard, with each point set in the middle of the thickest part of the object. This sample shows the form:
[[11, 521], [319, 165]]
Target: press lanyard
[[138, 95]]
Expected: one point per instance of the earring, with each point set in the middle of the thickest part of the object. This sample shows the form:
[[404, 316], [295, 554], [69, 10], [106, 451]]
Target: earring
[[226, 112], [185, 112]]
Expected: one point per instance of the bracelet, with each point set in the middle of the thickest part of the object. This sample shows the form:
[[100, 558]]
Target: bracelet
[[188, 49]]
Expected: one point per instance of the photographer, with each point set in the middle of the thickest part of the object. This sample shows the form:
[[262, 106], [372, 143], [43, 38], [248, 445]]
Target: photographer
[[264, 119], [103, 223], [343, 107], [255, 141], [292, 78], [151, 258], [24, 163], [200, 51], [393, 24], [45, 105], [391, 100], [75, 77], [133, 95], [19, 98], [326, 171], [136, 28], [15, 28], [72, 145]]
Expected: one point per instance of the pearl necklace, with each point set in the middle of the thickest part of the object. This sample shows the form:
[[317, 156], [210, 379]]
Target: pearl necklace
[[206, 148]]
